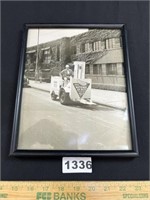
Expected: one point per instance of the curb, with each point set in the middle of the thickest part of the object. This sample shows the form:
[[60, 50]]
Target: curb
[[102, 104], [44, 90], [110, 106]]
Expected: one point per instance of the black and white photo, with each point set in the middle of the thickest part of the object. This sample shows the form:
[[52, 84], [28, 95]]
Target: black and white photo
[[75, 92]]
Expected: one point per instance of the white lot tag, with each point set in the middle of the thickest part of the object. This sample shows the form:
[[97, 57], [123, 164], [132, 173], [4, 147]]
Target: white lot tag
[[76, 165]]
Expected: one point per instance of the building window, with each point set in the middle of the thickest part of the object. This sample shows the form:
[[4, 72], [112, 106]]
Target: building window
[[97, 69], [113, 43], [73, 50], [30, 58], [98, 45], [111, 69], [87, 47], [82, 48], [103, 44], [87, 69], [109, 43], [46, 56]]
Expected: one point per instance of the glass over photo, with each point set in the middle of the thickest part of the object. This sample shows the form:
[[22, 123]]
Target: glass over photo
[[74, 94]]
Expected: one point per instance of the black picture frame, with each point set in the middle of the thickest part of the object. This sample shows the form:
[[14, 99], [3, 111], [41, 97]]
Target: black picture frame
[[102, 153]]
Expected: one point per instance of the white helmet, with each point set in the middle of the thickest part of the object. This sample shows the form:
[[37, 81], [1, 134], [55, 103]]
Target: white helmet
[[67, 66]]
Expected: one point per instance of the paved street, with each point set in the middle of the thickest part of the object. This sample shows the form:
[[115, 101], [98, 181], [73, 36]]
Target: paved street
[[118, 99], [46, 124]]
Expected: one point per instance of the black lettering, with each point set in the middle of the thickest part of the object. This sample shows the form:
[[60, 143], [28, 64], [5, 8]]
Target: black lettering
[[82, 164], [67, 163], [75, 164]]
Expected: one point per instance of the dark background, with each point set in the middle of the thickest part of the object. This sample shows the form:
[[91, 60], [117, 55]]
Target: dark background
[[135, 16]]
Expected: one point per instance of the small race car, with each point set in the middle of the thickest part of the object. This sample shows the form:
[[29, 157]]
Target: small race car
[[77, 90]]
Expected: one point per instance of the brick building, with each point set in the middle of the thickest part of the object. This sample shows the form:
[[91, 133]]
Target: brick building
[[101, 49]]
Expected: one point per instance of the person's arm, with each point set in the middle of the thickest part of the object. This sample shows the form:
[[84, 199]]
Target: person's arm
[[61, 73]]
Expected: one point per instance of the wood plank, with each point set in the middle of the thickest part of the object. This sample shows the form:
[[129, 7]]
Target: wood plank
[[74, 190]]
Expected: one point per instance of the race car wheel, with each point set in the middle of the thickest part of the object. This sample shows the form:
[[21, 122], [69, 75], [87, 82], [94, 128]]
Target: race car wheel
[[64, 98], [53, 96]]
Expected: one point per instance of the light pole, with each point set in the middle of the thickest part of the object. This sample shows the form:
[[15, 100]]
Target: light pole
[[37, 57]]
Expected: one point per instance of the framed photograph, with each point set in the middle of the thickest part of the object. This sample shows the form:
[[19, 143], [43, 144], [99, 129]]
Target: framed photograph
[[74, 93]]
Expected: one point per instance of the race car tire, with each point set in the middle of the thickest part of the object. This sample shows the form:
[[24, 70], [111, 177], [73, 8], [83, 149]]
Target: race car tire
[[64, 98], [53, 96]]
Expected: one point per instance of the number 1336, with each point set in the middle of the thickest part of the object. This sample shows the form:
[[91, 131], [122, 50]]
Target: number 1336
[[77, 165]]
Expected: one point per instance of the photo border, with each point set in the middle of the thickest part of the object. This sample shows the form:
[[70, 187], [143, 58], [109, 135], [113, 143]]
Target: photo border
[[100, 153]]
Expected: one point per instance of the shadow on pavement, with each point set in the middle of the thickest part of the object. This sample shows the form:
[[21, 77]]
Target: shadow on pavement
[[47, 135]]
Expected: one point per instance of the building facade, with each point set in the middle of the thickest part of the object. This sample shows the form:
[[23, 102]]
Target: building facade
[[101, 50], [48, 58]]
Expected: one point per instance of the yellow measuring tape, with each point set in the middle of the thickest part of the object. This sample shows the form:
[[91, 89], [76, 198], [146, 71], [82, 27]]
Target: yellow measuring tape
[[75, 190]]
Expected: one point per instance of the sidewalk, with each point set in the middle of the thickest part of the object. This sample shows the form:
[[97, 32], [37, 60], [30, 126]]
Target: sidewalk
[[41, 86], [109, 98]]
